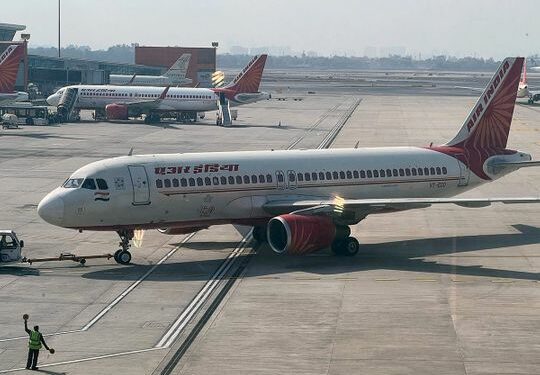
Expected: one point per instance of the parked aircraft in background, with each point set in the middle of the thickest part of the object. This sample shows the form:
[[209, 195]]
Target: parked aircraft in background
[[9, 68], [175, 76], [122, 102], [299, 201]]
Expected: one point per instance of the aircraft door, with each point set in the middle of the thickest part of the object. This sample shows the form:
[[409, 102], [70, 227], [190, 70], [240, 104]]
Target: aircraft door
[[280, 178], [291, 179], [464, 171], [141, 187]]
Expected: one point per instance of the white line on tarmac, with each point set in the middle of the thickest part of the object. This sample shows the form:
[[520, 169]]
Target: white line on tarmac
[[83, 359], [116, 300], [201, 297]]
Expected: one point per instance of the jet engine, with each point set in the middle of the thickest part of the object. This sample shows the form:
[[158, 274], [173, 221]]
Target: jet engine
[[116, 111], [181, 230], [298, 234]]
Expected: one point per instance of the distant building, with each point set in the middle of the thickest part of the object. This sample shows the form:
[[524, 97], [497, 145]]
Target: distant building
[[201, 65]]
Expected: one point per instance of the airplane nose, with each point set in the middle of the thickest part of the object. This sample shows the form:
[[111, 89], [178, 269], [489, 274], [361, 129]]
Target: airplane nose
[[51, 100], [51, 209]]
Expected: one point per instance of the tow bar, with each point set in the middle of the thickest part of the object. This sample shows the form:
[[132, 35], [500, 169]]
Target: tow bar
[[67, 256]]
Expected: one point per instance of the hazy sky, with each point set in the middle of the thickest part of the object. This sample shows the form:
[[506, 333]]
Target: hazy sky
[[457, 27]]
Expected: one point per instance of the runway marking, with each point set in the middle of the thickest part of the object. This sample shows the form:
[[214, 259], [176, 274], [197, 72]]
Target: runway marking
[[269, 278], [201, 297], [460, 280], [120, 297], [502, 281], [307, 278], [426, 280], [347, 278], [41, 365], [386, 279]]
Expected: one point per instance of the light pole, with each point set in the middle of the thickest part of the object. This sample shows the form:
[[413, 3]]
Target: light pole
[[58, 28]]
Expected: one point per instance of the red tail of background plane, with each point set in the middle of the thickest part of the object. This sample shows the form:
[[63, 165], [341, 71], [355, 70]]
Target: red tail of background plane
[[10, 59], [249, 79]]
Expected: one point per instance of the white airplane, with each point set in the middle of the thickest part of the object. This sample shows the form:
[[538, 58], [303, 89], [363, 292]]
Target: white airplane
[[9, 68], [122, 102], [175, 76], [523, 88], [299, 201]]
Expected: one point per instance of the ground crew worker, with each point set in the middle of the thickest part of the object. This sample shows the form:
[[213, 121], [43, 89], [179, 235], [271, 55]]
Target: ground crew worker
[[34, 344]]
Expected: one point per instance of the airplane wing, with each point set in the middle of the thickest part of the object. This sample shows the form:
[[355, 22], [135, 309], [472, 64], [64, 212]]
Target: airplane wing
[[355, 210], [146, 105]]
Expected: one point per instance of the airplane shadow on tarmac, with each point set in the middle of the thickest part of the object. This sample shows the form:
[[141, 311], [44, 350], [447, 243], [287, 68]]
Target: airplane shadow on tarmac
[[397, 255]]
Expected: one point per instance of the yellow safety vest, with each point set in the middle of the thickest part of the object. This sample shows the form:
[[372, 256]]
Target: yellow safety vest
[[35, 340]]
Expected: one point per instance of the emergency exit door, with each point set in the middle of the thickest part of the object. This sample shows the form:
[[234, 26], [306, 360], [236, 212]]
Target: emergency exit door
[[139, 181]]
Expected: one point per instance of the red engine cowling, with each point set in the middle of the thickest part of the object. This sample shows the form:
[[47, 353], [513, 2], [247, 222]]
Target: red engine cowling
[[181, 230], [298, 235], [116, 111]]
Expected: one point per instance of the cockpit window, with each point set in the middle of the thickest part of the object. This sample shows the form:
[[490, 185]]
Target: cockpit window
[[73, 183], [89, 183], [102, 184]]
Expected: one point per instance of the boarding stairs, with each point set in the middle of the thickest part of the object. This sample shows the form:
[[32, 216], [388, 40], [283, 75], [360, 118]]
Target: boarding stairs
[[224, 110], [66, 105]]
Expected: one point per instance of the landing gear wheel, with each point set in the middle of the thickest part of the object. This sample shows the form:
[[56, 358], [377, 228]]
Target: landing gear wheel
[[259, 234], [346, 247], [116, 253], [124, 257]]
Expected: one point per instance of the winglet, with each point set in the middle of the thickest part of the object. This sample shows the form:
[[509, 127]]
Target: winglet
[[164, 93]]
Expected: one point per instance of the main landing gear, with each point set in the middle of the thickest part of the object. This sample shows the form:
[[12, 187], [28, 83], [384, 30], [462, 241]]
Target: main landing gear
[[123, 256], [344, 244]]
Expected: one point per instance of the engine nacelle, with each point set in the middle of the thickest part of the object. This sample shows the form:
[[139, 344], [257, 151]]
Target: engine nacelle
[[182, 230], [298, 235], [116, 111]]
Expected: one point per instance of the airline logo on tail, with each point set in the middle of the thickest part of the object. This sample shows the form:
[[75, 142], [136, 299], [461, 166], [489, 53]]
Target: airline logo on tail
[[489, 122], [9, 67], [249, 79]]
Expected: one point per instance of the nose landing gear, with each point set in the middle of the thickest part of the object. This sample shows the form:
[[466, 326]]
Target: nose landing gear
[[123, 256]]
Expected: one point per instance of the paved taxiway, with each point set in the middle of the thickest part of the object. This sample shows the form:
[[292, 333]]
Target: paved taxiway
[[446, 289]]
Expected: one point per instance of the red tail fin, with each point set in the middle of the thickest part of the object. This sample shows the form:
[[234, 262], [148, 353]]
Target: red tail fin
[[249, 79], [488, 124], [9, 67]]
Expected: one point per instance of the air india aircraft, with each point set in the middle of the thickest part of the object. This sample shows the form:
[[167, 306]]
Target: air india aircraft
[[299, 201], [10, 59]]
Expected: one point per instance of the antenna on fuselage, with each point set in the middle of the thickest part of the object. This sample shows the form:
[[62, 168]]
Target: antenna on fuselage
[[357, 144], [130, 151]]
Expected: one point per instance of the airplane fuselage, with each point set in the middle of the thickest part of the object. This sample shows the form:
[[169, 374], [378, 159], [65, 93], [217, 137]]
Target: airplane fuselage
[[199, 190], [141, 80]]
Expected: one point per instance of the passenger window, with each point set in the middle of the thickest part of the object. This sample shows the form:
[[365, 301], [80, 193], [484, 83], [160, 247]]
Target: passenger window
[[349, 174], [223, 180], [328, 175], [175, 182], [307, 176], [426, 171], [342, 175], [321, 176], [102, 184], [432, 171], [167, 183], [292, 177], [444, 170], [191, 181], [355, 174], [413, 170], [246, 179], [253, 179], [382, 173], [375, 173], [159, 184], [335, 175], [369, 174], [420, 172], [261, 178], [89, 183], [239, 180], [314, 176], [215, 180], [231, 180], [363, 174], [269, 178], [199, 181], [207, 181], [408, 171], [401, 172], [183, 182], [300, 177], [395, 172], [438, 170]]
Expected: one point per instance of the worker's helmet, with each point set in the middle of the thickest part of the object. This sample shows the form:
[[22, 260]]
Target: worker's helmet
[[36, 328]]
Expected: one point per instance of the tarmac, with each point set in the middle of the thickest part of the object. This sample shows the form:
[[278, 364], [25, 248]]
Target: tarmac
[[444, 290]]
